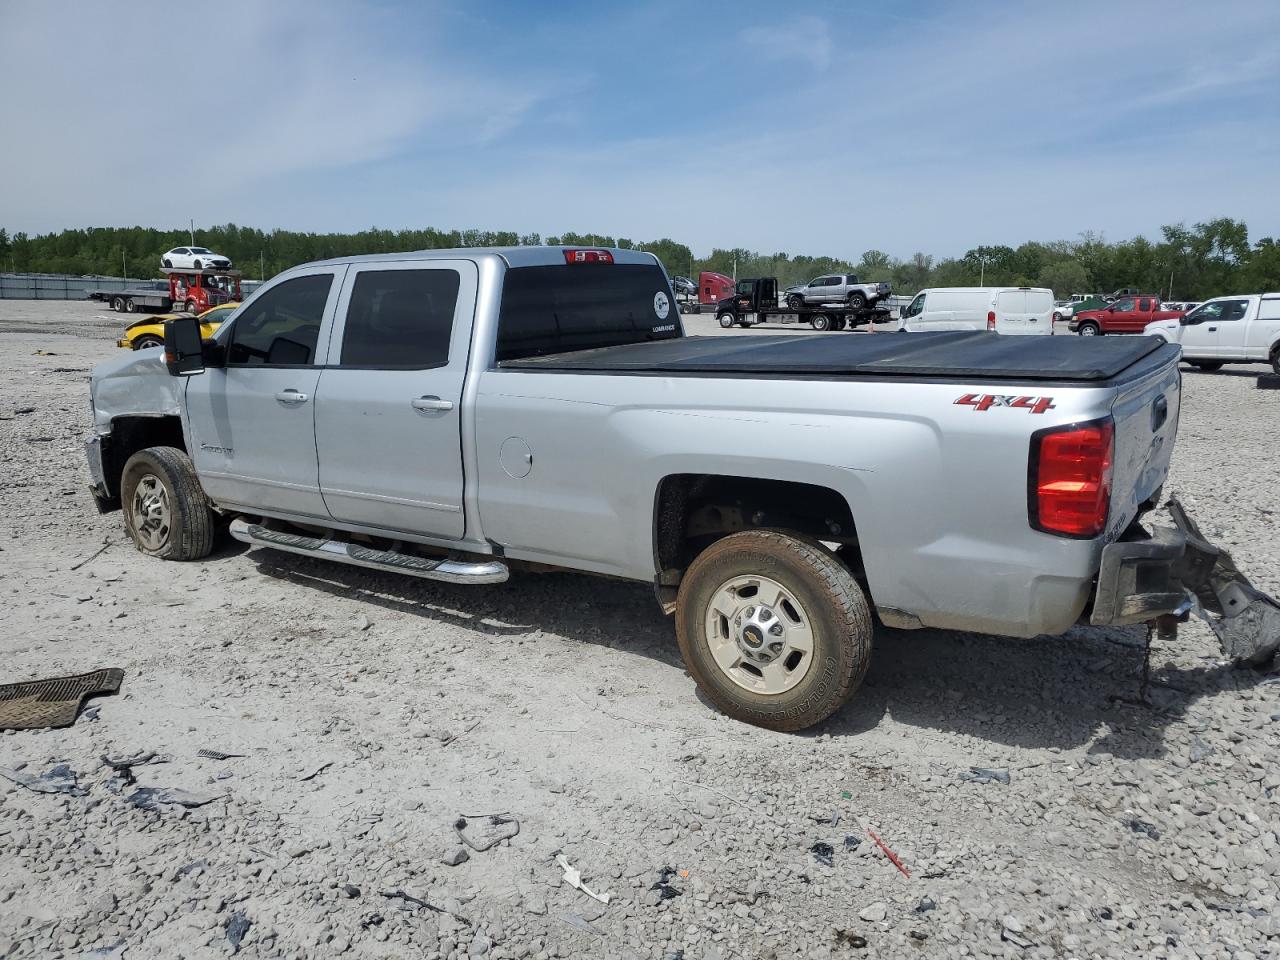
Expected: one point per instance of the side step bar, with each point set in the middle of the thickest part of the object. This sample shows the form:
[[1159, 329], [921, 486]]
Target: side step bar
[[448, 570]]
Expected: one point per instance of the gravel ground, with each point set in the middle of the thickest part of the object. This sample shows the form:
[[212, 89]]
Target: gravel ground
[[372, 711]]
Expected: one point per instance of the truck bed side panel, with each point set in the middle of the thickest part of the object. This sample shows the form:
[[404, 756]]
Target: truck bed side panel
[[937, 489]]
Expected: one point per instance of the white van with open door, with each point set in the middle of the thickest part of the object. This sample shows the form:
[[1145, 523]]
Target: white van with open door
[[1008, 310]]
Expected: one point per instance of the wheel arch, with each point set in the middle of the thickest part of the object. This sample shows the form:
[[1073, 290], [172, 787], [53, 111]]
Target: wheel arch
[[693, 510], [129, 434]]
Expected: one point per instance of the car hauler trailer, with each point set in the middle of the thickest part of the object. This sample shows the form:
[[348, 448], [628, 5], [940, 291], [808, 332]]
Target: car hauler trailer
[[192, 290]]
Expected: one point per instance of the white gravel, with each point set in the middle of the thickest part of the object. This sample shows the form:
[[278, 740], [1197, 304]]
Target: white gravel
[[561, 700]]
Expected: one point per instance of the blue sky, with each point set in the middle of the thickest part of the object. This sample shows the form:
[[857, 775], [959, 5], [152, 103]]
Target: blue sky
[[820, 128]]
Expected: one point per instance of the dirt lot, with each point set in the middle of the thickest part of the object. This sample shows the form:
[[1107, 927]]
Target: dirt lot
[[1122, 831]]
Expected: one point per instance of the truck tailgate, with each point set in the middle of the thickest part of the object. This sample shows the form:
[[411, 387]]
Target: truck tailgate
[[1145, 412]]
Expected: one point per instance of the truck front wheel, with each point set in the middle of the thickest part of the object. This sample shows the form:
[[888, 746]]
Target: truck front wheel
[[1089, 329], [773, 628], [726, 320], [165, 509]]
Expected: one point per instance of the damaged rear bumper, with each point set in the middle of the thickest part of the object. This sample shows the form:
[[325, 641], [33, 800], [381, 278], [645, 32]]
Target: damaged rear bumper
[[1169, 570]]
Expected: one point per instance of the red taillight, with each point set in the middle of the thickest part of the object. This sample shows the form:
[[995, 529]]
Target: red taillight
[[588, 256], [1069, 488], [991, 319]]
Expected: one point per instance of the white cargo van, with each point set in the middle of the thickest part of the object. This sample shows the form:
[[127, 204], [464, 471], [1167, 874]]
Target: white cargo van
[[1010, 310]]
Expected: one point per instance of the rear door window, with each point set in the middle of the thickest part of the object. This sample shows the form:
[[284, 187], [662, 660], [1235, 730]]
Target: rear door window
[[400, 319], [1011, 302], [557, 309]]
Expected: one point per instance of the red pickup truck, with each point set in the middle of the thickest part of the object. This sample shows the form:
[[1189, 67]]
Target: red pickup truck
[[1126, 315]]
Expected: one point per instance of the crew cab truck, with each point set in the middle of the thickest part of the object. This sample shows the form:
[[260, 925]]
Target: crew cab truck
[[192, 290], [1244, 329], [756, 301], [455, 414], [843, 288], [1125, 315]]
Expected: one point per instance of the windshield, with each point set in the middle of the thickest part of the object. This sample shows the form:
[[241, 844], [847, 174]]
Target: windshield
[[200, 250], [745, 287], [557, 309]]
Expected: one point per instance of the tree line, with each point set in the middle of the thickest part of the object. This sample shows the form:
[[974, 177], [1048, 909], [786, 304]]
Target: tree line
[[1186, 263]]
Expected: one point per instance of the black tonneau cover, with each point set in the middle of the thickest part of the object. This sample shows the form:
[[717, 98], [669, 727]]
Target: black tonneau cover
[[964, 355]]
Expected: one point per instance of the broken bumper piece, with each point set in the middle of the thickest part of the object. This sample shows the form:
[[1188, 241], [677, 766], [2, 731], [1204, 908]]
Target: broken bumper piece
[[1156, 573]]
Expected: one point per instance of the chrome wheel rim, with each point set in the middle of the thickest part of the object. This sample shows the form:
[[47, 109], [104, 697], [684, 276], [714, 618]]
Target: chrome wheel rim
[[150, 512], [1088, 332], [759, 634]]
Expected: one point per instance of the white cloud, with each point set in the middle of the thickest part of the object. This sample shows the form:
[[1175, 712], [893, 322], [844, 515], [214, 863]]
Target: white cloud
[[807, 39], [132, 114]]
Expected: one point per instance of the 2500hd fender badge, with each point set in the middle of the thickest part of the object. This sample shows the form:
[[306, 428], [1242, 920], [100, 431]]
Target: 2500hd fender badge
[[985, 401]]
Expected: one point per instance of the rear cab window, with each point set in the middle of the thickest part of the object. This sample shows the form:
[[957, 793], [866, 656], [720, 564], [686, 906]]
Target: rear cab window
[[567, 307]]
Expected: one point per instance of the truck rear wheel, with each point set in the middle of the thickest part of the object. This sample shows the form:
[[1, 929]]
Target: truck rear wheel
[[130, 306], [821, 322], [117, 304], [773, 628], [165, 509], [726, 320]]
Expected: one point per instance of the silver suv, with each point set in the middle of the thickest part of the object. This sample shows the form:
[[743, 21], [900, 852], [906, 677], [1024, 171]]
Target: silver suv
[[836, 288]]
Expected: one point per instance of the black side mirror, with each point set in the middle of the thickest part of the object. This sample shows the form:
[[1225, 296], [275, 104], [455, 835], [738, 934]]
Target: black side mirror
[[183, 348]]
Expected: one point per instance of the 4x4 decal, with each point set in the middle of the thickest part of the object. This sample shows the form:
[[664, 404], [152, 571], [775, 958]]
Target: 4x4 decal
[[985, 401]]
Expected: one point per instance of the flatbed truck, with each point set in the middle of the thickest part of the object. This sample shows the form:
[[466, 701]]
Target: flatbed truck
[[756, 301], [192, 290]]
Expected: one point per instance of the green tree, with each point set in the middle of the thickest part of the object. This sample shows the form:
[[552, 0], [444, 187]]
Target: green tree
[[1064, 277]]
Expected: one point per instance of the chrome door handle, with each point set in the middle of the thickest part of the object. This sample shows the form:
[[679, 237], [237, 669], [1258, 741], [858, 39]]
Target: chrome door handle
[[431, 403], [291, 396]]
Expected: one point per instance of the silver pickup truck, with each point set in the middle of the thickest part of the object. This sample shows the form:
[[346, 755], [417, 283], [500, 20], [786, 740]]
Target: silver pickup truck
[[457, 414]]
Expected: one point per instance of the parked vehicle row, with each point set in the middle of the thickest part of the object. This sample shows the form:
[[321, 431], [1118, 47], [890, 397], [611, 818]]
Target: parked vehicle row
[[775, 491]]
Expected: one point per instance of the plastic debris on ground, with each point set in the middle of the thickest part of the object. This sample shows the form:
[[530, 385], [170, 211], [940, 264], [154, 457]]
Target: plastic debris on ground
[[986, 775], [823, 853], [582, 924], [154, 798], [663, 885], [500, 827], [238, 925], [574, 879], [57, 779]]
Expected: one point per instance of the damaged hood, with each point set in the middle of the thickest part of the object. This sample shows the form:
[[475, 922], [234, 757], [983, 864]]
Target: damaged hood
[[137, 384]]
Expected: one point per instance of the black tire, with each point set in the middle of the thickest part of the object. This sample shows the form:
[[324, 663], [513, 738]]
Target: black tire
[[726, 320], [189, 530], [196, 265], [117, 304], [1206, 365], [838, 615], [166, 262], [857, 301], [130, 306], [192, 307], [147, 341], [795, 302], [821, 322], [1275, 359], [1089, 329]]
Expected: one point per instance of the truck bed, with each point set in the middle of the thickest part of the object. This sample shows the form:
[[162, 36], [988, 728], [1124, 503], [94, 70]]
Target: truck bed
[[953, 355]]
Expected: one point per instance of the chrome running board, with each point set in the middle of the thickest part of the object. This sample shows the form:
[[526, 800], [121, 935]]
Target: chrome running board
[[446, 569]]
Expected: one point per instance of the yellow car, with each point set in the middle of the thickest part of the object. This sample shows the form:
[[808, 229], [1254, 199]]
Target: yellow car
[[149, 332]]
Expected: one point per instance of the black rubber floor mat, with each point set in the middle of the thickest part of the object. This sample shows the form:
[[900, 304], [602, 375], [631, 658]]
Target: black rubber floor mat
[[37, 704]]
